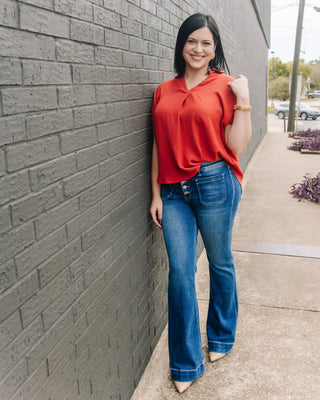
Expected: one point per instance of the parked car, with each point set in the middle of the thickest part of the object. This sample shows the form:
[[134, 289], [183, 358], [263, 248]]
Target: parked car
[[315, 94], [305, 111]]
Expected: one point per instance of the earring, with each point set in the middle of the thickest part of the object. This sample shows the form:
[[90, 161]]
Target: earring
[[213, 56]]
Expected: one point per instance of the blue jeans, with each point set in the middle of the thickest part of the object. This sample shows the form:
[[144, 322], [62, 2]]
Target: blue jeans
[[208, 203]]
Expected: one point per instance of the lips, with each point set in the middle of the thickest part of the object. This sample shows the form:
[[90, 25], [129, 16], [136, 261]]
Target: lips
[[196, 58]]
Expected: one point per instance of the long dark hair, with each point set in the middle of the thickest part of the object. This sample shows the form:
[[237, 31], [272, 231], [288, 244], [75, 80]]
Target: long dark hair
[[191, 24]]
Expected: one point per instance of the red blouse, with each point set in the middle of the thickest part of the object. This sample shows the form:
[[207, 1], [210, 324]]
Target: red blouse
[[189, 126]]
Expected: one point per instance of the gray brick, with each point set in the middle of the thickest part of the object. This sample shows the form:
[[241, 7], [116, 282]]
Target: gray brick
[[71, 96], [85, 32], [41, 3], [138, 45], [110, 130], [89, 115], [7, 278], [109, 93], [75, 8], [2, 162], [106, 18], [106, 56], [79, 139], [149, 6], [12, 129], [26, 154], [55, 310], [84, 74], [18, 100], [132, 60], [34, 255], [34, 204], [9, 329], [46, 123], [56, 217], [77, 52], [119, 6], [163, 13], [13, 186], [139, 76], [131, 27], [10, 71], [45, 73], [32, 385], [111, 166], [15, 241], [32, 308], [83, 222], [9, 13], [65, 373], [45, 174], [150, 62], [39, 352], [12, 381], [116, 39], [118, 110], [96, 231], [62, 349], [132, 92], [137, 123], [137, 14], [17, 349], [43, 21], [91, 156], [79, 182], [15, 43], [5, 219], [93, 195], [18, 294], [51, 267]]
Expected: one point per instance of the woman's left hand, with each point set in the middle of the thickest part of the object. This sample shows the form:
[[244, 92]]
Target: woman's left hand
[[240, 88]]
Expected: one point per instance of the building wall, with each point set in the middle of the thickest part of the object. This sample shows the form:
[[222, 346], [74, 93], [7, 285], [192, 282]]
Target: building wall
[[83, 270]]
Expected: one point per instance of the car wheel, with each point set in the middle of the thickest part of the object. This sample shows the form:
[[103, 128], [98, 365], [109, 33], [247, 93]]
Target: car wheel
[[310, 96], [314, 118], [280, 115], [303, 116]]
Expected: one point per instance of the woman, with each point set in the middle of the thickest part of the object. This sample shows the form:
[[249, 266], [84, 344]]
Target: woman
[[201, 122]]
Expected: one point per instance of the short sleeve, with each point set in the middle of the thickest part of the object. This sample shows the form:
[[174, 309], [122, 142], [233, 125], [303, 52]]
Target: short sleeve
[[228, 100]]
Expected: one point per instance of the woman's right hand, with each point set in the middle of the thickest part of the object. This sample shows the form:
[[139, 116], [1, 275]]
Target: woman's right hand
[[156, 211]]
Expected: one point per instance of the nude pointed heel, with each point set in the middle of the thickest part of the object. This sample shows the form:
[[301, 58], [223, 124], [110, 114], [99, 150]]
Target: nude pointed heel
[[216, 356], [182, 386]]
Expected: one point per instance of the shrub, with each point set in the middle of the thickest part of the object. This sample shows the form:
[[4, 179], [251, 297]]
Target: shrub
[[308, 190]]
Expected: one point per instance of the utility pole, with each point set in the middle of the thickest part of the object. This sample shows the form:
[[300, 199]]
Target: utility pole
[[295, 69]]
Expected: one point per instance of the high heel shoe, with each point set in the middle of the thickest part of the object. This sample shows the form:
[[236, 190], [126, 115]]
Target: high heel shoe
[[182, 386], [216, 356]]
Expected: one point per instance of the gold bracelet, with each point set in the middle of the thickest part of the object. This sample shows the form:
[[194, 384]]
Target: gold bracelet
[[242, 108]]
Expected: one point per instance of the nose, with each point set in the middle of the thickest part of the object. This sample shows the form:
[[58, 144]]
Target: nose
[[198, 47]]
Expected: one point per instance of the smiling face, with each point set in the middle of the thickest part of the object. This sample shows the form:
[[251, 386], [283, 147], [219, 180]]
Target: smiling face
[[198, 50]]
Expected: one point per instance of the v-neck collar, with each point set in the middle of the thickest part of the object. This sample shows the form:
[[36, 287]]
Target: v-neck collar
[[184, 83]]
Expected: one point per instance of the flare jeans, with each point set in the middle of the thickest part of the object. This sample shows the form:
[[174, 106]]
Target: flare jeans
[[208, 203]]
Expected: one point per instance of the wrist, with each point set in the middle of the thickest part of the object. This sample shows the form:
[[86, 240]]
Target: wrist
[[243, 100]]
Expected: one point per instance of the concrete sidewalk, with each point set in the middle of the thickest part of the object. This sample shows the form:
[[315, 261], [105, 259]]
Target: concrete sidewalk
[[277, 251]]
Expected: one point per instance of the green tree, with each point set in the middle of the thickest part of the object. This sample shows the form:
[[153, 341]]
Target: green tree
[[315, 74], [279, 88], [304, 69], [279, 68]]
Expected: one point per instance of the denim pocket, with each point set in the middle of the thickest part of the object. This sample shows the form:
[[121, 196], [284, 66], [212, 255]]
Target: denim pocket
[[166, 192], [212, 190]]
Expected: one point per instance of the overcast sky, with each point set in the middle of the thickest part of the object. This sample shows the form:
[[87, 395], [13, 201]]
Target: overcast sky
[[284, 14]]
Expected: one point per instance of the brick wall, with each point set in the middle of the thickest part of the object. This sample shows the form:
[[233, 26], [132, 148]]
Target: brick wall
[[82, 269]]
